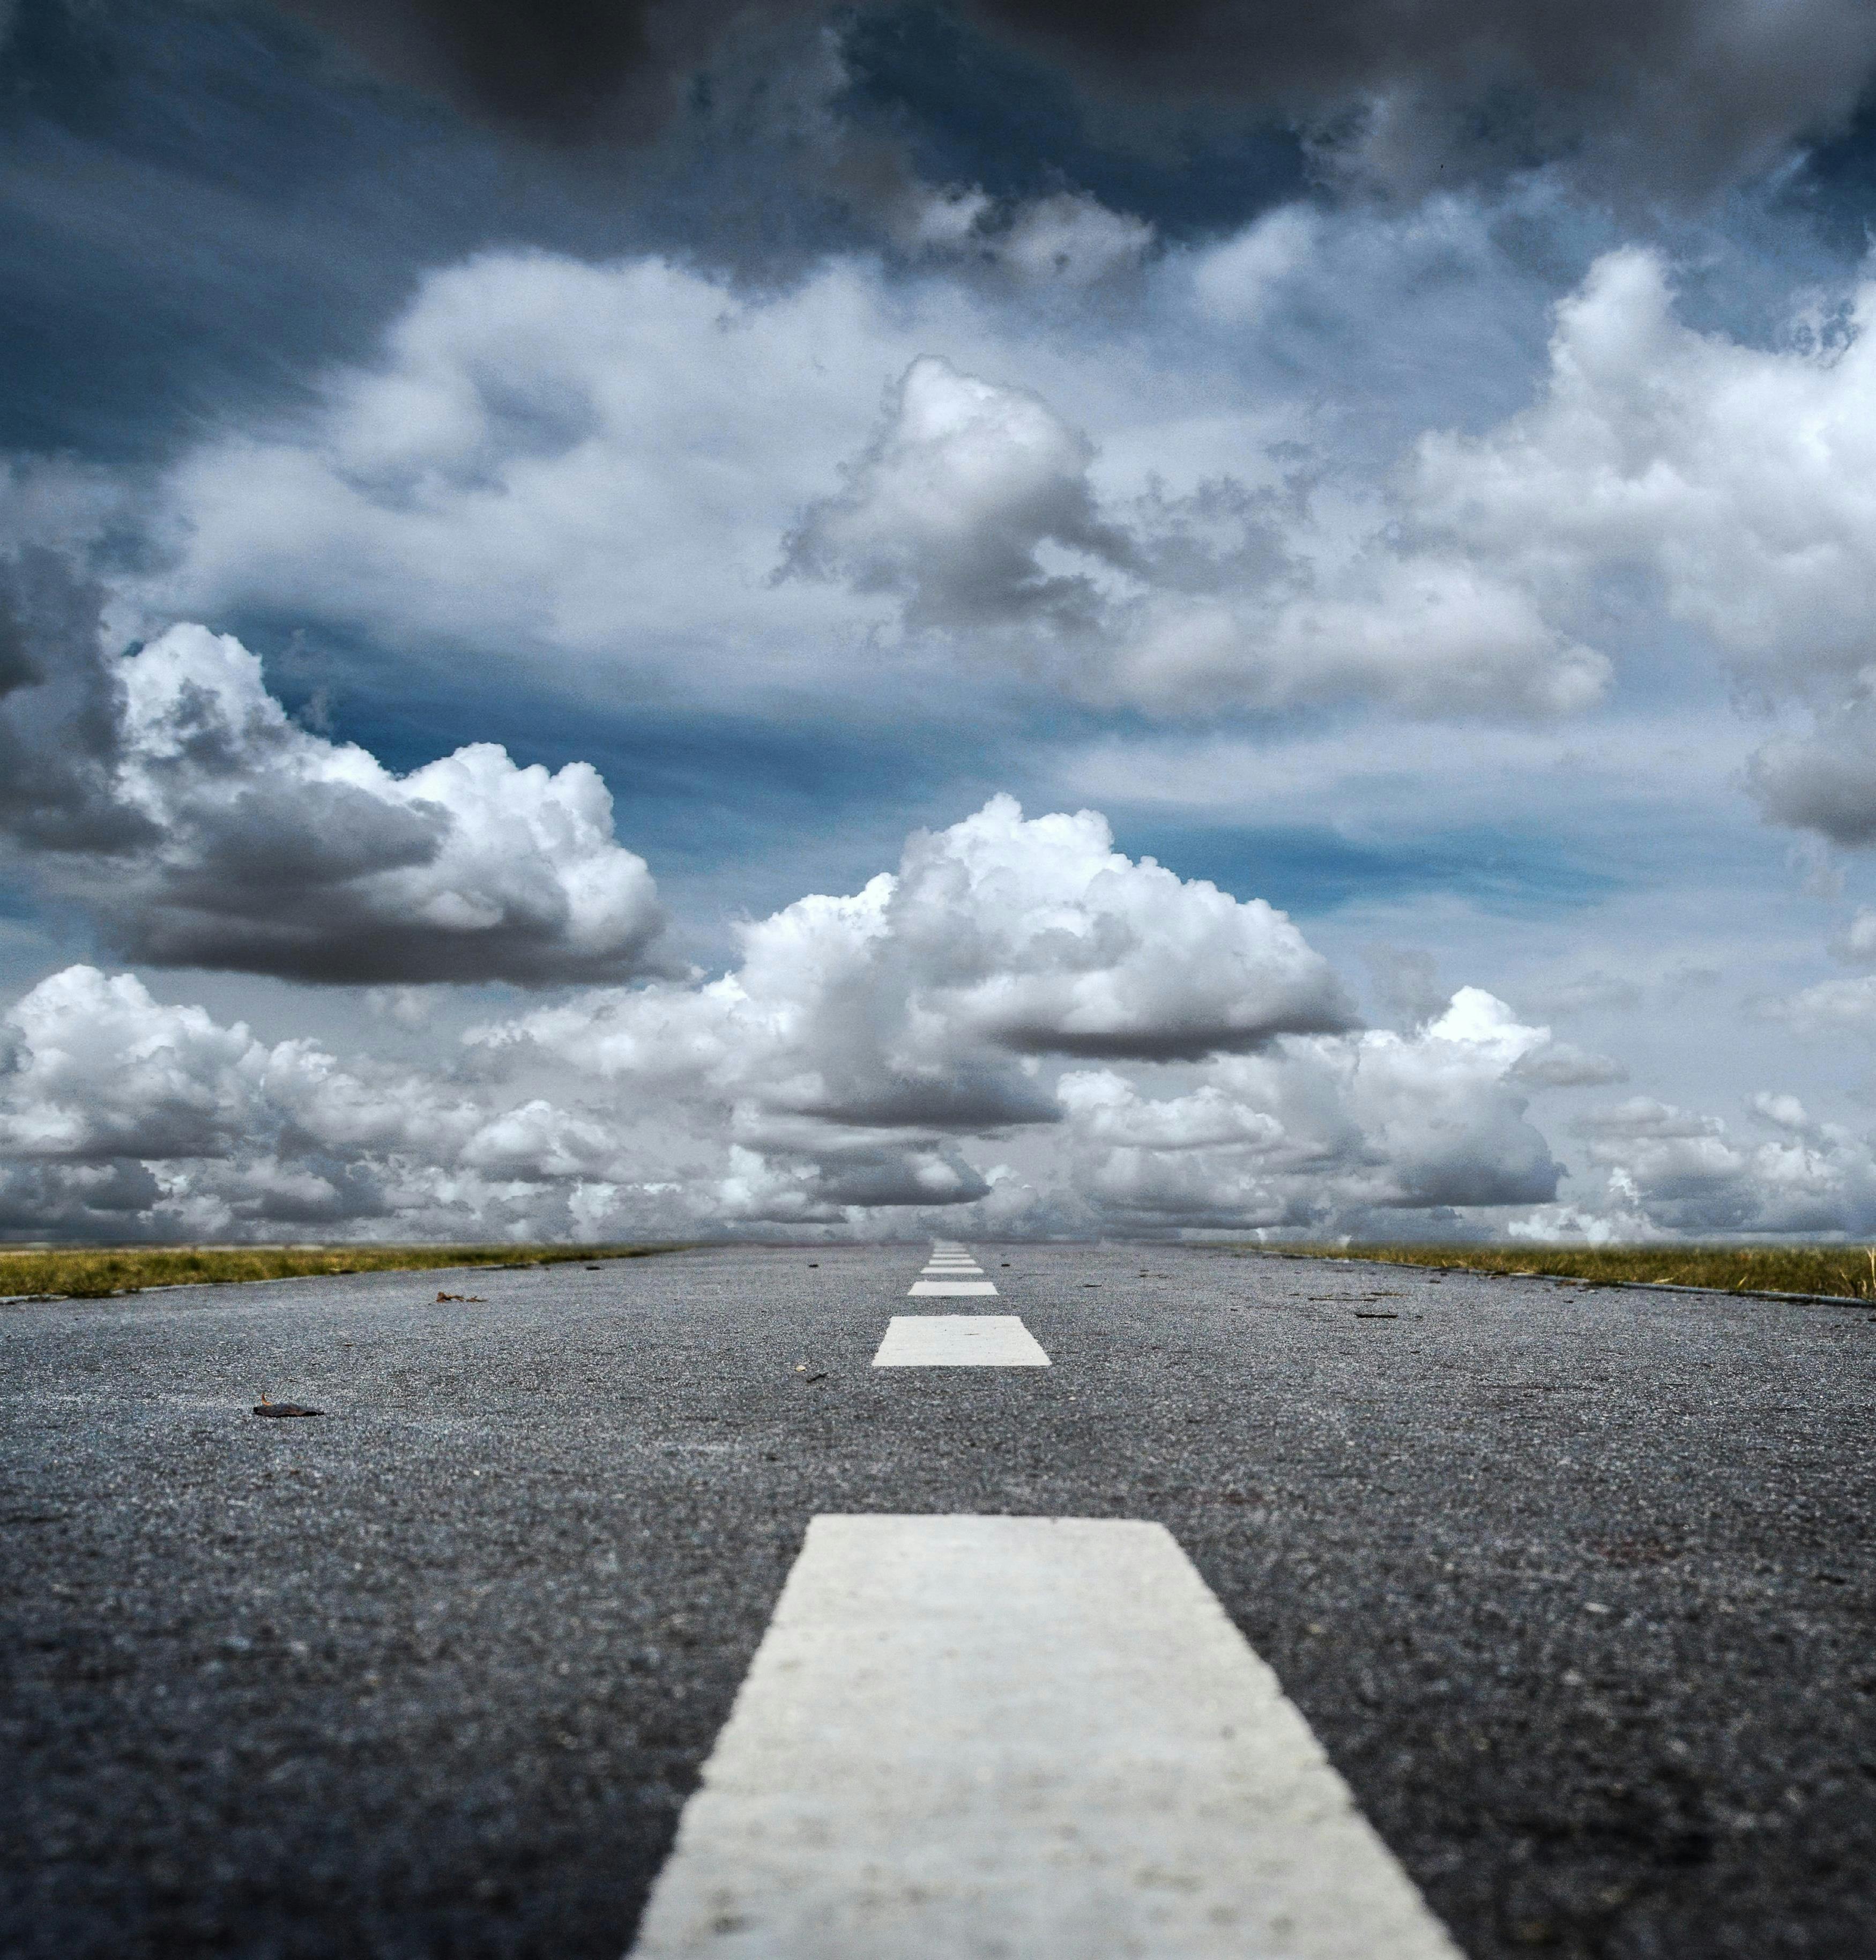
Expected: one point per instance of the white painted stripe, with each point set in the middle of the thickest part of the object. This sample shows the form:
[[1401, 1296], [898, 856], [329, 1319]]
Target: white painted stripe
[[1039, 1739], [954, 1269], [959, 1341], [925, 1289]]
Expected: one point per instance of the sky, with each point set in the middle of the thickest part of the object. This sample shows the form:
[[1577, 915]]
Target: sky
[[624, 620]]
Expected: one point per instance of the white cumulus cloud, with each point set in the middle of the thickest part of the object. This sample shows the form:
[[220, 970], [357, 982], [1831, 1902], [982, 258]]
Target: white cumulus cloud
[[1021, 1028], [1739, 481], [1689, 1173], [975, 504], [1326, 1132], [218, 832]]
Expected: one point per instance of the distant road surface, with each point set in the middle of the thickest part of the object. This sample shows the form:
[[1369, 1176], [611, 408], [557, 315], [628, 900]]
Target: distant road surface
[[1576, 1588]]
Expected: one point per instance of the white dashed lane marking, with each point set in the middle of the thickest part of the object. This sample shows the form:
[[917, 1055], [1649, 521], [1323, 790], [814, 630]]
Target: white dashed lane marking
[[951, 1273], [1037, 1737], [959, 1341]]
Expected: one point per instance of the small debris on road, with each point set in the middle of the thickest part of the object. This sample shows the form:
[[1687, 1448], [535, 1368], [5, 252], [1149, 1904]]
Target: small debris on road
[[1360, 1315], [808, 1374], [467, 1298], [268, 1406]]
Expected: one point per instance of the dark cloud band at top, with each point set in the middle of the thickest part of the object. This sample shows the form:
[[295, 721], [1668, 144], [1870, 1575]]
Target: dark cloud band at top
[[1686, 92], [1256, 47], [564, 69]]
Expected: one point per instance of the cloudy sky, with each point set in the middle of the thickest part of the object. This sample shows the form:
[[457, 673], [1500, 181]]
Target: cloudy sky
[[625, 619]]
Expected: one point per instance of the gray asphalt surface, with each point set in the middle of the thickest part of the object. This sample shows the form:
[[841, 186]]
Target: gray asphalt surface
[[1576, 1585]]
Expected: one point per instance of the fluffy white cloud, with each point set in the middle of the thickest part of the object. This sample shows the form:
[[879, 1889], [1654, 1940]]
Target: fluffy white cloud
[[1678, 1171], [975, 505], [1070, 240], [1832, 1006], [1235, 283], [1073, 238], [283, 852], [1000, 938], [1859, 938], [123, 1117], [921, 1046], [859, 1061], [98, 1069], [609, 464], [1324, 1132], [962, 486], [859, 1035], [1739, 480], [600, 460], [1743, 478], [612, 463], [222, 834]]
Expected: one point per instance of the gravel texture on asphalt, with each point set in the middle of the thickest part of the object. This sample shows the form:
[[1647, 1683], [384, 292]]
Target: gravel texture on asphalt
[[1576, 1585]]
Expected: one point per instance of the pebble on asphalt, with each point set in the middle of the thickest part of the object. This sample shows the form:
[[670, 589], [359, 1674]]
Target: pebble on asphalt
[[268, 1406]]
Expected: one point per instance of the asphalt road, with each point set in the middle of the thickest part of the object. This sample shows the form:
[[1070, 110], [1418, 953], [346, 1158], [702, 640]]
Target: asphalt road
[[1576, 1586]]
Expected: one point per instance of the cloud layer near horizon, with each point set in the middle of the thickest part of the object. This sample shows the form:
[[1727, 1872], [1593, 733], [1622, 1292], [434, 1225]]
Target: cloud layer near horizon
[[920, 1047]]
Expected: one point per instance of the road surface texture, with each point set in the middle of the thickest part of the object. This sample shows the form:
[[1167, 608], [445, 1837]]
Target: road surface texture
[[1575, 1587]]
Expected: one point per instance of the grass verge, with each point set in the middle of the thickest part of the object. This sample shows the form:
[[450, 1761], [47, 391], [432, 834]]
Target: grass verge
[[95, 1272], [1847, 1272]]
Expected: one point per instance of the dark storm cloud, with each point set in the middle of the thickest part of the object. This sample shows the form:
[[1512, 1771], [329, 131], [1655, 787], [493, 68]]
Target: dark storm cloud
[[60, 705], [975, 1099], [1826, 783], [194, 216], [560, 69], [1689, 90], [937, 97], [85, 1201], [1259, 47], [203, 206]]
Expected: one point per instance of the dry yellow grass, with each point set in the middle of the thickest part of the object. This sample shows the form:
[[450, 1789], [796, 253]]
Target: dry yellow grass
[[94, 1272], [1843, 1271]]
